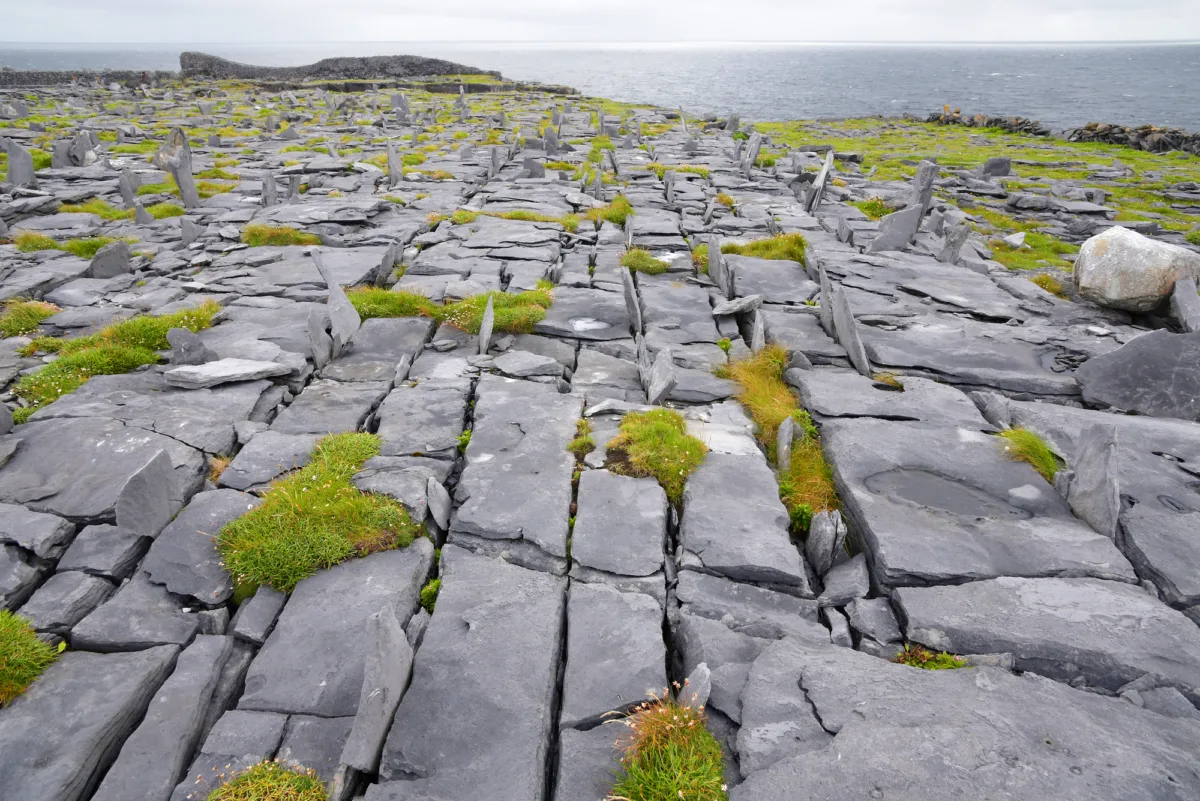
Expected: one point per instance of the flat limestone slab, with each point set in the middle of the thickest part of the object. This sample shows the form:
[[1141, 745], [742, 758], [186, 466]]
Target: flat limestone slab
[[905, 733], [517, 482], [312, 663], [734, 524], [222, 371], [330, 407], [620, 524], [943, 504], [475, 723], [1103, 633], [377, 346], [63, 732], [838, 393], [426, 418]]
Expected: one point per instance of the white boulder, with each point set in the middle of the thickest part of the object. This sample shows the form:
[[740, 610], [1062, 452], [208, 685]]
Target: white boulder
[[1124, 270]]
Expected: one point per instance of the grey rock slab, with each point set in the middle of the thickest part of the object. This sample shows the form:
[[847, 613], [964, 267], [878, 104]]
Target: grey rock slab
[[330, 407], [60, 735], [747, 609], [377, 347], [846, 329], [620, 524], [223, 371], [846, 582], [140, 615], [825, 545], [483, 683], [43, 535], [735, 525], [874, 618], [315, 743], [184, 558], [47, 473], [187, 348], [1094, 493], [238, 732], [1122, 269], [1099, 633], [111, 260], [265, 457], [439, 502], [108, 551], [153, 760], [65, 599], [255, 618], [312, 663], [615, 653], [588, 763], [662, 378], [426, 418], [386, 673], [485, 326], [522, 364], [150, 497], [1155, 374], [1185, 305], [896, 230], [839, 627], [905, 733], [839, 393], [775, 280], [343, 317], [518, 449], [935, 504], [589, 314], [727, 653]]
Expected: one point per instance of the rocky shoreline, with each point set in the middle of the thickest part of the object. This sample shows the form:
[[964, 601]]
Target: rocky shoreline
[[928, 393]]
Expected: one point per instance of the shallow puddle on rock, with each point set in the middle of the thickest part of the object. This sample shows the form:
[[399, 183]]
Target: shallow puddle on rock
[[934, 491]]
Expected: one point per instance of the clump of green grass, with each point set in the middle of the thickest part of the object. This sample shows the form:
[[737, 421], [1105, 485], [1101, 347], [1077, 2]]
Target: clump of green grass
[[725, 344], [515, 312], [23, 656], [785, 247], [1041, 250], [257, 236], [700, 259], [29, 242], [1193, 237], [1050, 284], [616, 212], [216, 173], [641, 261], [429, 594], [23, 316], [314, 519], [270, 780], [725, 199], [655, 444], [115, 349], [921, 657], [668, 754], [1024, 445], [875, 208], [661, 169], [583, 444], [86, 248], [806, 486], [464, 217], [101, 208], [570, 221]]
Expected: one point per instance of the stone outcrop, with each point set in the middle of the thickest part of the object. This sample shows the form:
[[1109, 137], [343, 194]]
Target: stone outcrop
[[203, 65]]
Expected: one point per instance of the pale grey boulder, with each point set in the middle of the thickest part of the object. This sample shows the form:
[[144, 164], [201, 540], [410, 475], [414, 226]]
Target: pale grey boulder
[[1122, 269]]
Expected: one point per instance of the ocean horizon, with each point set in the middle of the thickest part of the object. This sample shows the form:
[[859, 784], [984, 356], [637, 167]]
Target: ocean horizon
[[1060, 84]]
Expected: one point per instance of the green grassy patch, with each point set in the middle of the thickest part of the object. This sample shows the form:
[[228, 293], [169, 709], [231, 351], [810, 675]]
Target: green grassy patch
[[669, 754], [314, 519], [641, 261], [146, 147], [1025, 446], [1040, 251], [806, 487], [257, 236], [102, 209], [661, 169], [1050, 284], [1193, 237], [464, 217], [21, 317], [429, 594], [655, 444], [217, 174], [570, 221], [271, 781], [785, 247], [615, 212], [28, 242], [23, 657], [725, 199], [875, 208], [515, 312], [583, 444], [920, 657]]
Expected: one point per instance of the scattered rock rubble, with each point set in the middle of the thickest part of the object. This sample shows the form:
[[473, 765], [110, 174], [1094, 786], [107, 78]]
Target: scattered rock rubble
[[565, 597]]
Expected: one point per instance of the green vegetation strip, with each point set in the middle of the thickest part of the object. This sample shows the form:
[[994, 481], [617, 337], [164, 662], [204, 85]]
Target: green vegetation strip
[[919, 657], [669, 753], [23, 316], [784, 247], [258, 236], [270, 780], [23, 657], [640, 260], [1025, 446], [515, 312], [117, 348], [314, 519], [109, 212], [655, 444], [28, 242], [806, 487]]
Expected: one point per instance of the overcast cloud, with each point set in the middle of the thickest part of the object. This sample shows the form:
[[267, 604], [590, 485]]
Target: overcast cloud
[[232, 21]]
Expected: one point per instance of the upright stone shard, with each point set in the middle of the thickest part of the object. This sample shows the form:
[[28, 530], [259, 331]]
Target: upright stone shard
[[150, 497], [176, 158], [191, 231], [897, 230], [818, 186], [395, 173], [270, 191], [485, 327], [1095, 493], [847, 333], [631, 299], [783, 443], [386, 672], [141, 216], [343, 317], [952, 243], [825, 309], [922, 188], [111, 260], [20, 165], [127, 184], [662, 378]]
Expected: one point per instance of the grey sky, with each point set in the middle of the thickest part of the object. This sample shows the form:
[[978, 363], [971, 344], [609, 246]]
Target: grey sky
[[587, 21]]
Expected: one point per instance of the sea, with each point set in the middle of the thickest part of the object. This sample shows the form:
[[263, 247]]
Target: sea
[[1060, 85]]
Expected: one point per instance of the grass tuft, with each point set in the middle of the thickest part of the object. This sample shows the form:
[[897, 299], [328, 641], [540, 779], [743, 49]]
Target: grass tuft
[[23, 316], [23, 656], [1193, 237], [875, 208], [1025, 446], [314, 519], [668, 754], [725, 199], [806, 487], [616, 212], [1050, 284], [29, 242], [640, 260], [921, 657], [429, 594], [257, 236], [270, 780], [655, 444], [583, 444], [785, 247], [516, 312]]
